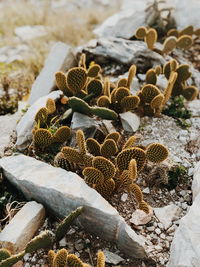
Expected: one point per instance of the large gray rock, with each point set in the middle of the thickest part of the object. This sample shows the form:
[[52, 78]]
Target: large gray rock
[[196, 181], [61, 57], [63, 191], [7, 125], [130, 121], [185, 248], [123, 52], [26, 33], [22, 227], [122, 24], [25, 125]]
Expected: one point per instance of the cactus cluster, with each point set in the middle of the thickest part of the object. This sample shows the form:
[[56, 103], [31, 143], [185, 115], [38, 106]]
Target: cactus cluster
[[107, 149], [120, 98], [62, 259], [100, 175], [175, 39], [149, 35], [44, 240], [44, 132], [180, 87]]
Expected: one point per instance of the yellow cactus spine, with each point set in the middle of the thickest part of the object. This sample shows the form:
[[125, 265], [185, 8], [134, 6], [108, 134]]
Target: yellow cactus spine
[[115, 136], [93, 175], [106, 189], [151, 38], [184, 42], [107, 87], [151, 77], [169, 44], [129, 143], [76, 79], [105, 166], [141, 32], [108, 148], [100, 259], [60, 259], [144, 206], [50, 105], [42, 138], [130, 102], [41, 116], [103, 101], [62, 134], [132, 169], [82, 61], [94, 70], [125, 156], [93, 146], [51, 256], [135, 189], [131, 75], [156, 152], [80, 139], [74, 261], [122, 82], [72, 155]]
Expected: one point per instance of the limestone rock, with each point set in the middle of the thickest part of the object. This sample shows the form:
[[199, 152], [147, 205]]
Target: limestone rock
[[25, 125], [130, 121], [122, 24], [26, 33], [196, 181], [7, 125], [167, 214], [139, 217], [80, 120], [122, 51], [22, 227], [63, 191], [185, 249], [61, 57], [112, 257], [194, 106]]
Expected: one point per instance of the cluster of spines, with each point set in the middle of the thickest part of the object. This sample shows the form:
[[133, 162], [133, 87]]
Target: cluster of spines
[[149, 35], [120, 98]]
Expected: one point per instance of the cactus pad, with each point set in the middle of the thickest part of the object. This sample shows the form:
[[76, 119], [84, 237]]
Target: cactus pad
[[100, 259], [42, 138], [95, 87], [135, 189], [93, 176], [105, 166], [80, 139], [144, 206], [76, 79], [109, 148], [93, 70], [125, 156], [184, 42], [41, 116], [132, 169], [190, 92], [141, 32], [115, 136], [149, 91], [62, 134], [50, 105], [60, 259], [130, 102], [151, 77], [156, 153], [61, 161], [106, 189], [93, 146]]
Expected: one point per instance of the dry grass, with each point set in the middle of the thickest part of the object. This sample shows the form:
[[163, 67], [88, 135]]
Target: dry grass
[[71, 27]]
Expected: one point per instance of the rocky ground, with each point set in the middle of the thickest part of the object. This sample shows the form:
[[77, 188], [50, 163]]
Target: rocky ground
[[171, 201]]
